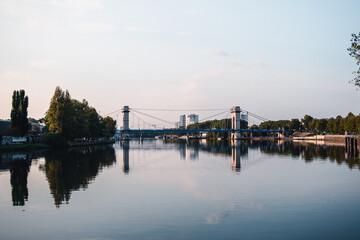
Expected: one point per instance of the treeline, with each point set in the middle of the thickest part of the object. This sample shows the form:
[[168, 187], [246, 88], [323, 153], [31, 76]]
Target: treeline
[[218, 124], [69, 119], [338, 125], [19, 122]]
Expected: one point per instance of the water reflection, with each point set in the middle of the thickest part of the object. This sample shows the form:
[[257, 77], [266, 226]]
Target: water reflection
[[126, 146], [73, 169], [310, 152], [19, 166]]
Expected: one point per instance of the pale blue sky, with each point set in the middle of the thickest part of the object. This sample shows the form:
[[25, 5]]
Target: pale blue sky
[[278, 59]]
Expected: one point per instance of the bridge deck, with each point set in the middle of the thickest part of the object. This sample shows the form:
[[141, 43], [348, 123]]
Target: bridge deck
[[164, 131]]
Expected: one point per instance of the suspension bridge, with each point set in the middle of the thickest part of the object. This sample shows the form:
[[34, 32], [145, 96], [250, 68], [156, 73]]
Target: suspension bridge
[[144, 126]]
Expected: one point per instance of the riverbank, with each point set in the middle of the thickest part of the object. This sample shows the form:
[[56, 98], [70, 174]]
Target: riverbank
[[26, 146], [39, 146]]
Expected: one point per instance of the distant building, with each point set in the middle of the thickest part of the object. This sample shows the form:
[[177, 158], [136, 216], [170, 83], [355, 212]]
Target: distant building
[[182, 122], [36, 127], [244, 117], [187, 120], [191, 119]]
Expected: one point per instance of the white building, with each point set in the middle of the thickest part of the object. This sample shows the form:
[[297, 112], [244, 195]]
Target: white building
[[244, 117], [191, 119], [182, 122]]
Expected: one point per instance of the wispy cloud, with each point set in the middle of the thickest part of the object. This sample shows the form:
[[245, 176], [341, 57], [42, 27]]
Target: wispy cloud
[[83, 5], [255, 64], [43, 63], [51, 25], [141, 29], [216, 52], [8, 7], [190, 12], [183, 33], [94, 27]]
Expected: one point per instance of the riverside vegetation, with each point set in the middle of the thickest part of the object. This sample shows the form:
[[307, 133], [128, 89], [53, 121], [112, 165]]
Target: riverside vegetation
[[66, 120]]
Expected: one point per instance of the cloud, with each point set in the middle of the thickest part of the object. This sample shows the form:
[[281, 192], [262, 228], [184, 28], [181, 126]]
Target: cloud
[[234, 63], [216, 52], [43, 63], [94, 27], [183, 33], [84, 5], [141, 29], [255, 64], [190, 12], [51, 25], [9, 8]]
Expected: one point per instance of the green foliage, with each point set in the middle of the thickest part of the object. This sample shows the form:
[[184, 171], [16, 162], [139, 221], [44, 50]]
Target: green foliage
[[108, 126], [306, 121], [75, 119], [294, 125], [218, 124], [58, 118], [354, 51], [19, 122]]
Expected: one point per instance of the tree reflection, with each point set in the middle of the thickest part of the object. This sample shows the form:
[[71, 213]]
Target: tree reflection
[[19, 166], [310, 152], [19, 171], [74, 169]]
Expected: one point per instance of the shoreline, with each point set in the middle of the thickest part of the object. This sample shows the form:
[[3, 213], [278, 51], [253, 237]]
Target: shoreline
[[41, 146]]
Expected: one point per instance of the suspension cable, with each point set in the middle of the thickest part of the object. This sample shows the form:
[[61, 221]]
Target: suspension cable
[[213, 116], [153, 117], [178, 110], [142, 120]]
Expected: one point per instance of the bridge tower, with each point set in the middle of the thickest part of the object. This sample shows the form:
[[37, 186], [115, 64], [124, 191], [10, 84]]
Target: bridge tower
[[126, 128], [235, 122]]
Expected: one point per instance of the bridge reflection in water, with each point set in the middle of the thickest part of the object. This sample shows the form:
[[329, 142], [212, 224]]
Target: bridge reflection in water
[[190, 151], [74, 169]]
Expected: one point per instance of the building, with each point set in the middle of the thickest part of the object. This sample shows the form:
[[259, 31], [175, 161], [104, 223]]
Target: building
[[182, 122], [244, 117], [191, 119], [187, 120]]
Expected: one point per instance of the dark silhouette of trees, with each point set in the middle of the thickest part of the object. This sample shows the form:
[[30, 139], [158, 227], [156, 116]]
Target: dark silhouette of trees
[[108, 126], [19, 171], [68, 119], [19, 122], [74, 169]]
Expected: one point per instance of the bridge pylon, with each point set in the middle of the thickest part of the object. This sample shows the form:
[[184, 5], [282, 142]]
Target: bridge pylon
[[126, 129], [235, 123]]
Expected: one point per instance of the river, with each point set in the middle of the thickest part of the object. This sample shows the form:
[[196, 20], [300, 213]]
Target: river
[[156, 190]]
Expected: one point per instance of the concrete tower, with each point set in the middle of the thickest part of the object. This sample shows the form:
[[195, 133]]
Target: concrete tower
[[235, 122]]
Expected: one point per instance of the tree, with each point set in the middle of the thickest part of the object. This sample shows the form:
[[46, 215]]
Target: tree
[[355, 53], [58, 118], [306, 121], [350, 123], [295, 124], [19, 122], [321, 125], [108, 126]]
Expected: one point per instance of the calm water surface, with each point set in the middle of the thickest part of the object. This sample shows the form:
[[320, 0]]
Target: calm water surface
[[152, 190]]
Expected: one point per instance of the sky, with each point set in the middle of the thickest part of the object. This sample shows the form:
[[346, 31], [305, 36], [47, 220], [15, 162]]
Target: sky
[[278, 59]]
